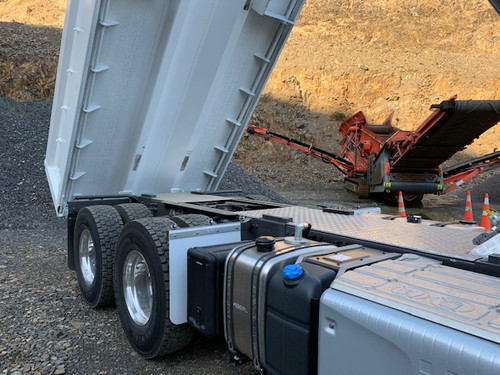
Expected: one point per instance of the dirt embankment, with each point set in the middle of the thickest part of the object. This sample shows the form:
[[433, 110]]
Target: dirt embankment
[[378, 56]]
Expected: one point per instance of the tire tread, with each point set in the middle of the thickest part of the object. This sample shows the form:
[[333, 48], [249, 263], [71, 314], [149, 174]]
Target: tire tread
[[108, 224], [133, 211], [192, 220]]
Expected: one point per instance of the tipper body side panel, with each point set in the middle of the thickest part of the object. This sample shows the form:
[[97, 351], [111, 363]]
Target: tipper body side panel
[[153, 96]]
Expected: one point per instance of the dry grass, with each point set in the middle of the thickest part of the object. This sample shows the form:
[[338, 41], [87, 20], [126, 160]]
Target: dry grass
[[30, 35], [28, 60], [28, 80]]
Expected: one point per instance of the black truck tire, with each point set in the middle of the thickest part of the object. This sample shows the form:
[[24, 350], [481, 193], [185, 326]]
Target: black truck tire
[[191, 220], [142, 288], [133, 211], [95, 236]]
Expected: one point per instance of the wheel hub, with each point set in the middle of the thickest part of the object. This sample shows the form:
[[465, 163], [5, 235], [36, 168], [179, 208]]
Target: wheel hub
[[137, 287], [87, 257]]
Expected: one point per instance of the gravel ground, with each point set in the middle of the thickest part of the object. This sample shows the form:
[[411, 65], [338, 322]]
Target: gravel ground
[[45, 326], [23, 187]]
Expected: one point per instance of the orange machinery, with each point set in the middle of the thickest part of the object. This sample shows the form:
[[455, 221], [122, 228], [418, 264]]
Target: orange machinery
[[384, 159]]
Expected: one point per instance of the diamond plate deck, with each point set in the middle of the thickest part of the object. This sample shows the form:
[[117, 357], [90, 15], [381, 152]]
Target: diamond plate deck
[[459, 299], [453, 243]]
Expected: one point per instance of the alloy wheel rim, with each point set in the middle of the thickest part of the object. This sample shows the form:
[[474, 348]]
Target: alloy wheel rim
[[137, 287], [87, 257]]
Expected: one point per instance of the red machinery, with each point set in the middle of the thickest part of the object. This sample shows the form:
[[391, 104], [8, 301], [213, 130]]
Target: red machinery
[[384, 159]]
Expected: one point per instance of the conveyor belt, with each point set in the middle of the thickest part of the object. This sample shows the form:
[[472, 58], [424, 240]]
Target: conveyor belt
[[485, 161], [463, 121], [447, 242]]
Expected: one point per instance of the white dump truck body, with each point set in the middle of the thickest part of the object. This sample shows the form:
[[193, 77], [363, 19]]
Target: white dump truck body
[[153, 96]]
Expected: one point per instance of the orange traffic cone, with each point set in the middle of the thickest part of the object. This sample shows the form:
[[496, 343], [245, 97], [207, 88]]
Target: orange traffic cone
[[401, 205], [486, 205], [468, 209], [485, 220]]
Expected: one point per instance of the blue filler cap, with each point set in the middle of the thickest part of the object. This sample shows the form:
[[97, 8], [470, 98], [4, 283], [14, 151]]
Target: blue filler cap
[[292, 272]]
